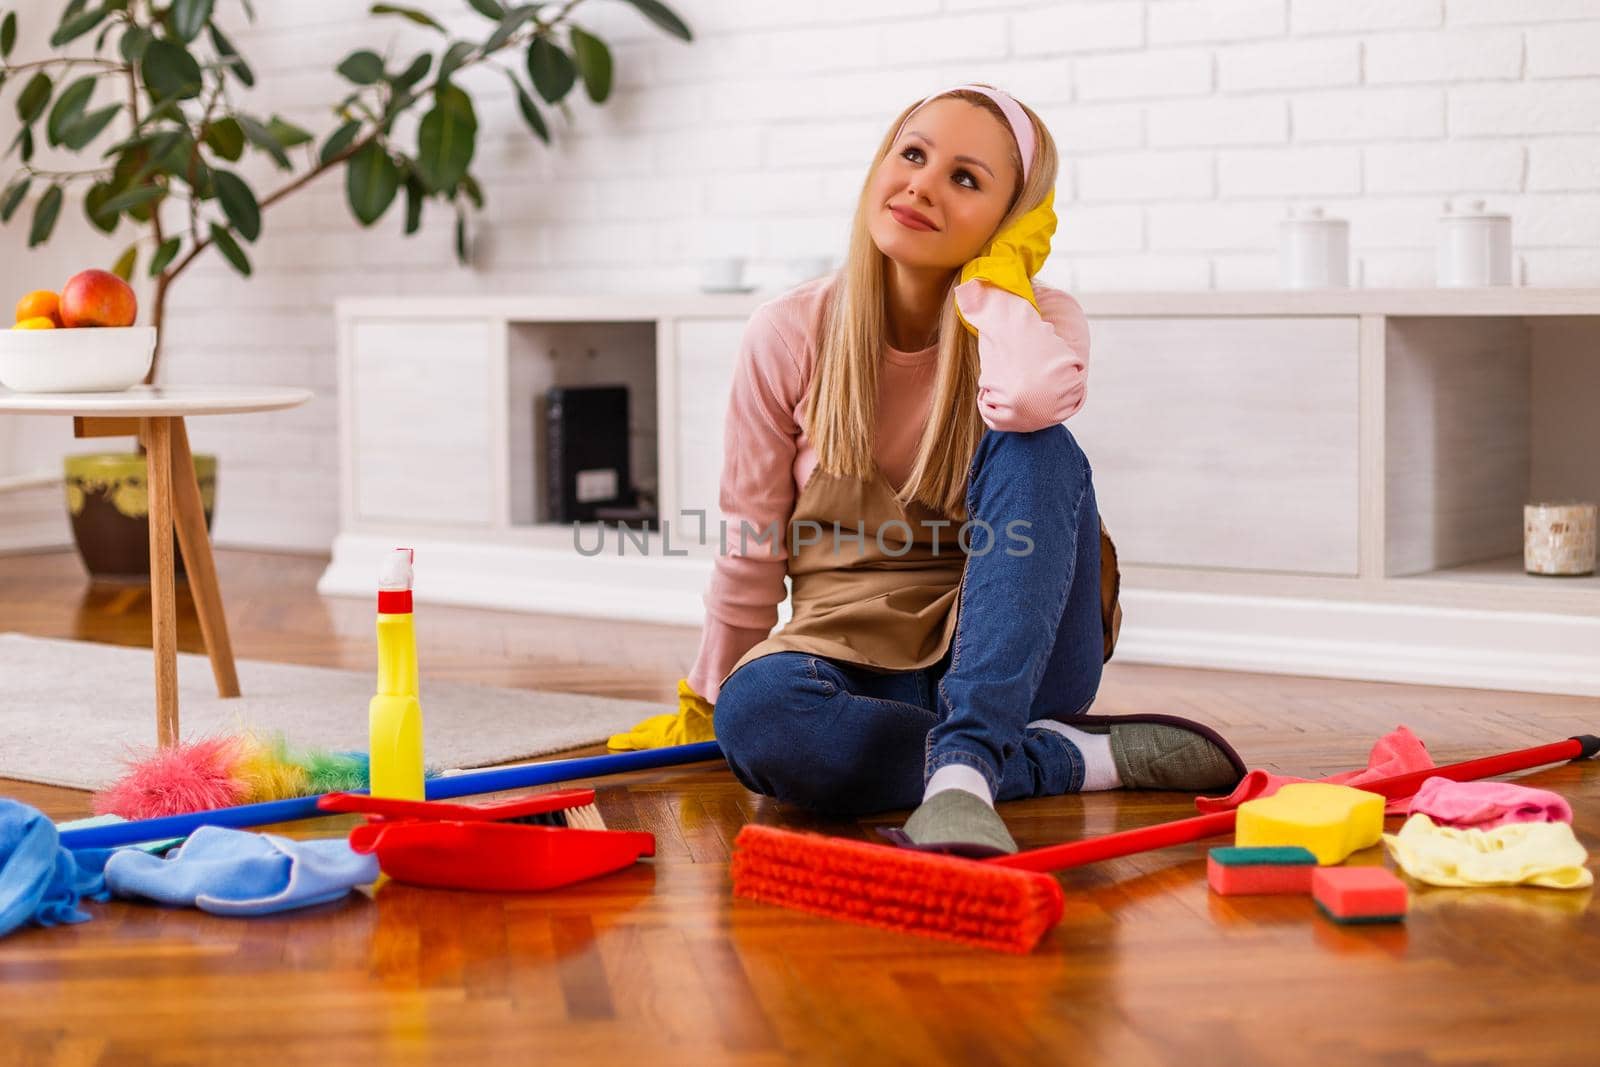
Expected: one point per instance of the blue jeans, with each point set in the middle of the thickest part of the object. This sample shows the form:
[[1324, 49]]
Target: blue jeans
[[1029, 644]]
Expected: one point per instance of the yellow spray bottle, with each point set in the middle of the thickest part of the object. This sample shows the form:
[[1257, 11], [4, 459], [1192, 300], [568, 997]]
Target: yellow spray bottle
[[395, 716]]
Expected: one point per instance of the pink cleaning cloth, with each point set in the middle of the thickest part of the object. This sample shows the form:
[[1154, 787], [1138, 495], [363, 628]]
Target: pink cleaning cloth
[[1485, 805], [1398, 752]]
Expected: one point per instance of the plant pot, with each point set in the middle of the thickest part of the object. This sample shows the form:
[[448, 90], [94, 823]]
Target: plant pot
[[109, 501]]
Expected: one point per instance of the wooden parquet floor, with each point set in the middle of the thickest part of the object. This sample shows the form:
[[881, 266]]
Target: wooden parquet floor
[[659, 965]]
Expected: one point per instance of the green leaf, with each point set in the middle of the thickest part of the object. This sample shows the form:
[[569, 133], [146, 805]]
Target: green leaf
[[78, 25], [165, 252], [264, 139], [34, 96], [474, 191], [371, 180], [123, 267], [170, 71], [68, 108], [287, 133], [663, 17], [230, 249], [421, 18], [230, 55], [339, 140], [551, 69], [15, 193], [530, 111], [461, 237], [138, 196], [594, 63], [133, 42], [88, 127], [94, 207], [186, 18], [225, 137], [487, 7], [413, 74], [510, 25], [44, 216], [364, 67], [452, 59], [25, 139], [415, 194], [171, 108], [238, 203], [446, 138], [8, 33]]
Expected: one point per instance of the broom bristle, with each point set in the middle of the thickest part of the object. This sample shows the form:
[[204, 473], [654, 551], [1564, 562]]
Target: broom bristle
[[896, 889]]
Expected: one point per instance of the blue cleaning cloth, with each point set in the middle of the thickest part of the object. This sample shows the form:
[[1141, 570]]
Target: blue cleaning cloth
[[235, 872], [40, 882]]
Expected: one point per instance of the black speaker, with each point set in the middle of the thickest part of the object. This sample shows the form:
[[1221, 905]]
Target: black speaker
[[586, 451]]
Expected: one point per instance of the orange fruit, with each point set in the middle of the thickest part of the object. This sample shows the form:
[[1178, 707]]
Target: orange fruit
[[37, 322], [41, 303]]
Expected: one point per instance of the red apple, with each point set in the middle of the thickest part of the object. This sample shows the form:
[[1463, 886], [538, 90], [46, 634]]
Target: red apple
[[97, 298]]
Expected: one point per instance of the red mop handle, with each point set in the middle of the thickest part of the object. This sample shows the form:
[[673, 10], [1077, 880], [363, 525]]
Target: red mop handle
[[1200, 827]]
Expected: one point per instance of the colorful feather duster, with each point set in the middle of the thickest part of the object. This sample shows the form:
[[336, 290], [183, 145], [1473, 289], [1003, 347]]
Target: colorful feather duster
[[216, 772]]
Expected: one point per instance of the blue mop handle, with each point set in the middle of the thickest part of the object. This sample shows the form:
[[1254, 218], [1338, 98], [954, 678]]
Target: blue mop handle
[[445, 787]]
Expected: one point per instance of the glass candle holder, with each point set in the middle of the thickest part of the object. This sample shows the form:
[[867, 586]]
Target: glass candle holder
[[1559, 537]]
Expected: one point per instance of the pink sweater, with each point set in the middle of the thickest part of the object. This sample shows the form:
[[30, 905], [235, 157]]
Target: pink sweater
[[1032, 374]]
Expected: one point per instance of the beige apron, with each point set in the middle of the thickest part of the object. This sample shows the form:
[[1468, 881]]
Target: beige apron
[[875, 602]]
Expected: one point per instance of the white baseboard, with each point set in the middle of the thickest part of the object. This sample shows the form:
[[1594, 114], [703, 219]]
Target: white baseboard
[[1424, 645], [523, 578], [1528, 652]]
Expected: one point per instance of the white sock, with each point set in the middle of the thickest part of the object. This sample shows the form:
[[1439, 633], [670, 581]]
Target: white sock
[[958, 776], [1100, 770]]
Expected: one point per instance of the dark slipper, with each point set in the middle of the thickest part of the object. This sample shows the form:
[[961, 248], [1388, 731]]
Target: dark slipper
[[955, 822], [1167, 752]]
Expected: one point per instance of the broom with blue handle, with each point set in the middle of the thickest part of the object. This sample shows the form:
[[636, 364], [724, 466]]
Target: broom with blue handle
[[445, 787]]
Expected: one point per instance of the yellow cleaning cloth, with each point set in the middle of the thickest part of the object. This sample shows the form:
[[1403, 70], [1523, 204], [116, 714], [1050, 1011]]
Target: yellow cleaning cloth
[[1015, 255], [691, 723], [1524, 853]]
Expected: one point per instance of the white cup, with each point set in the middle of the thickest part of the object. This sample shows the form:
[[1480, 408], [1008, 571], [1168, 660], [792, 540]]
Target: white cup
[[722, 274], [1474, 247], [1313, 251]]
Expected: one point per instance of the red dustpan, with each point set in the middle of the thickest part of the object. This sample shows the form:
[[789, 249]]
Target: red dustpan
[[442, 845]]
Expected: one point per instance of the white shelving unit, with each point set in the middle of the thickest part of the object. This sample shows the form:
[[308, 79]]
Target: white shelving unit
[[1327, 482]]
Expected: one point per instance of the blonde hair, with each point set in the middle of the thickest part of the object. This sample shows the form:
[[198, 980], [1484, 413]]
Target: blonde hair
[[841, 409]]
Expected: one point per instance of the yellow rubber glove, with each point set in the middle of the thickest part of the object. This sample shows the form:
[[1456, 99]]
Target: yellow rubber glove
[[689, 724], [1015, 255]]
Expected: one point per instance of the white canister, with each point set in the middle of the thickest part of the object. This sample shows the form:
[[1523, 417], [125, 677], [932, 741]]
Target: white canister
[[1313, 251], [1559, 537], [1474, 247]]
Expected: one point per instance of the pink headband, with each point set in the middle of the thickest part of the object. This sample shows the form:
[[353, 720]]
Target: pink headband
[[1021, 127]]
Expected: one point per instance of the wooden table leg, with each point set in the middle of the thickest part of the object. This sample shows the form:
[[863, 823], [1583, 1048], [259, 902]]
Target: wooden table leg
[[157, 434], [189, 513]]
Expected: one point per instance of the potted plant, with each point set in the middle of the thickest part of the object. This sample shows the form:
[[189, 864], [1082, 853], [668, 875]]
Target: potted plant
[[140, 92]]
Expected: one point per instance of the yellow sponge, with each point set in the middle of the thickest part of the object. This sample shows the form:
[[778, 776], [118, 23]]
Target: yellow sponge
[[1331, 821]]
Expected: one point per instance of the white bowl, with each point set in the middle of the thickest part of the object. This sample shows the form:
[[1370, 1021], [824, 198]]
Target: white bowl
[[85, 359]]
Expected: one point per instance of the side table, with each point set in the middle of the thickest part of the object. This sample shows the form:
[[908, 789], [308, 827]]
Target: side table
[[155, 415]]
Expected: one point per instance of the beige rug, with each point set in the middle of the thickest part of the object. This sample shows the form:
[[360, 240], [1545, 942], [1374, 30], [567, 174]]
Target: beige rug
[[71, 712]]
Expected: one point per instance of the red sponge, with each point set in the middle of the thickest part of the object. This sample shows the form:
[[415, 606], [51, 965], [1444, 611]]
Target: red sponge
[[1244, 871], [1359, 894]]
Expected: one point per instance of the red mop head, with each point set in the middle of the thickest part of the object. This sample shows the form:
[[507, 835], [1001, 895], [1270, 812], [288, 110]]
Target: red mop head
[[898, 889]]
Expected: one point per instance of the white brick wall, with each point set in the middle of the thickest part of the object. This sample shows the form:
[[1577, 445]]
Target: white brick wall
[[1187, 127]]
